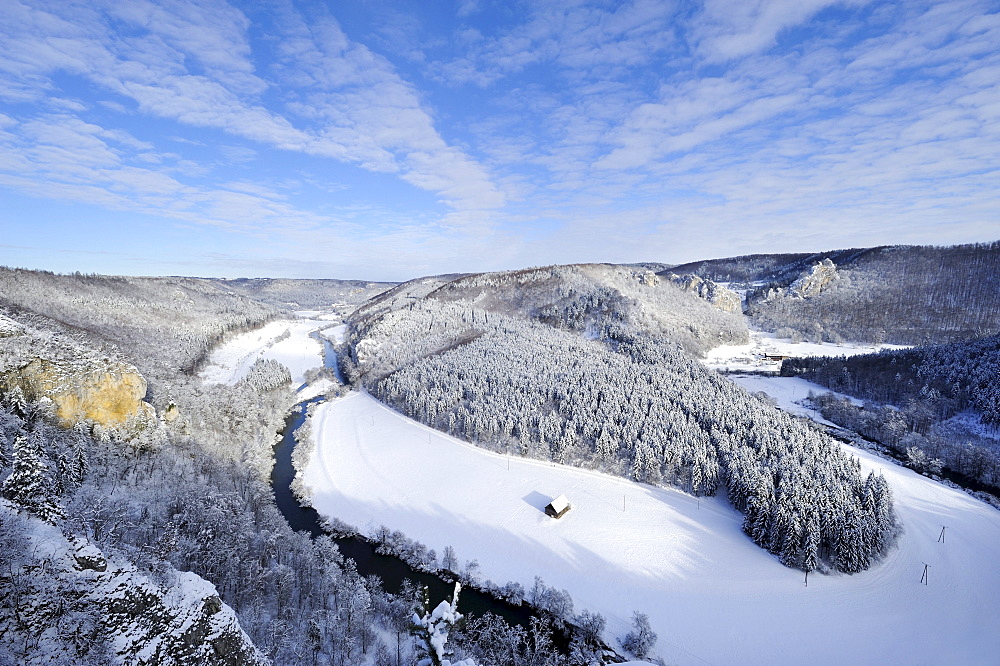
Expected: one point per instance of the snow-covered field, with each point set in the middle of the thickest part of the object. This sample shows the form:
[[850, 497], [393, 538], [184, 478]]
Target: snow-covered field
[[750, 357], [710, 593], [790, 393], [298, 350]]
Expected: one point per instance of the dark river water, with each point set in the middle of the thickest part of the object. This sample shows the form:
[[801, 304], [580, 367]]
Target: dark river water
[[391, 570]]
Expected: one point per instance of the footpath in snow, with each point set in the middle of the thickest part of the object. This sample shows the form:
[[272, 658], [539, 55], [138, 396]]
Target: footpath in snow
[[711, 594]]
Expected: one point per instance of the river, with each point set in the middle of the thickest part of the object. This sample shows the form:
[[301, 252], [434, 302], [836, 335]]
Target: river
[[391, 570]]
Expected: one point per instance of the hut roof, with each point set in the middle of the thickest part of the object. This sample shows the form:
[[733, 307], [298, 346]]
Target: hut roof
[[559, 504]]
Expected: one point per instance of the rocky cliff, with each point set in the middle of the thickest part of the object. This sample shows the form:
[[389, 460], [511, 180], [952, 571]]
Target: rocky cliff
[[73, 603], [809, 283], [100, 390], [815, 280], [721, 297]]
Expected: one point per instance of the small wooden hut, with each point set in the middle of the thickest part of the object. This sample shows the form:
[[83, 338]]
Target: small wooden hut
[[557, 507]]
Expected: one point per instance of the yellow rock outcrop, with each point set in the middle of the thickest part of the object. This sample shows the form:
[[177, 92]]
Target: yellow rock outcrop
[[106, 392]]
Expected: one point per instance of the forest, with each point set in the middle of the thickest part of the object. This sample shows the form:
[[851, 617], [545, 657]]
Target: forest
[[515, 375], [589, 365], [189, 494], [937, 405]]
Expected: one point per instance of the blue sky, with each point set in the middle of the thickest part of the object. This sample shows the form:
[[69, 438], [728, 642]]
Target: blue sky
[[388, 140]]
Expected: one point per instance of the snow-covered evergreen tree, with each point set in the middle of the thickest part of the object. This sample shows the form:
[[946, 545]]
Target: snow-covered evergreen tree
[[30, 484]]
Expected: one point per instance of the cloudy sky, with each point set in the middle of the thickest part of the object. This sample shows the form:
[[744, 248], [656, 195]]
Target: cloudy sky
[[387, 140]]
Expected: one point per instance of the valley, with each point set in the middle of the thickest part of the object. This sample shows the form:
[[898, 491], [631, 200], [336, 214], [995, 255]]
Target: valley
[[444, 414]]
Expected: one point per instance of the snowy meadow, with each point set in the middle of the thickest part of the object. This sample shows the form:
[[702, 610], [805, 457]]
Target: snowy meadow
[[682, 560]]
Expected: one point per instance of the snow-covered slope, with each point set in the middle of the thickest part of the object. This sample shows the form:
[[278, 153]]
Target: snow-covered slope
[[710, 593], [790, 393]]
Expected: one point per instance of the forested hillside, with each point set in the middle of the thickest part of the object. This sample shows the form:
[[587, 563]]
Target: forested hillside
[[188, 493], [931, 400], [900, 294], [306, 294], [162, 324], [596, 300], [779, 269], [546, 364]]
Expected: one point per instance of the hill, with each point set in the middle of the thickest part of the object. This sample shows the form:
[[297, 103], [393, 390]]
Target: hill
[[709, 593], [937, 405], [584, 365], [898, 294]]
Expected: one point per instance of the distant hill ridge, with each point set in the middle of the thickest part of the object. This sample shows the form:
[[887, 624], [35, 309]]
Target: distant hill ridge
[[898, 294]]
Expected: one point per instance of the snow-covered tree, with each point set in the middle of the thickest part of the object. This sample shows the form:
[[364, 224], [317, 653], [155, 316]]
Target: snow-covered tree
[[432, 629], [30, 483], [641, 639]]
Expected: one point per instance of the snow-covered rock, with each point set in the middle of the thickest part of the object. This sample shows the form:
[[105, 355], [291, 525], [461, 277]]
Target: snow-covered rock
[[808, 284], [718, 295], [815, 280], [74, 602]]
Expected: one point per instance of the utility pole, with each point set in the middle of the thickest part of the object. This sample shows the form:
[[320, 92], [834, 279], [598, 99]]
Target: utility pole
[[926, 577], [941, 536]]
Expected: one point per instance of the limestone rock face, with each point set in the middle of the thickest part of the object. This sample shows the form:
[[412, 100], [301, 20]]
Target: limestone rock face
[[815, 280], [648, 278], [809, 283], [106, 392], [721, 297]]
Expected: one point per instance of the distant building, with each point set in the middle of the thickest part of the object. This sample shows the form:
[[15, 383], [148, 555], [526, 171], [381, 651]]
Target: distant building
[[557, 507], [775, 356]]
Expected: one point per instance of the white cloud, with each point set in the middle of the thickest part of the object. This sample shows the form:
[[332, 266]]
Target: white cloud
[[725, 30], [62, 157], [574, 35], [601, 130], [192, 63], [370, 115]]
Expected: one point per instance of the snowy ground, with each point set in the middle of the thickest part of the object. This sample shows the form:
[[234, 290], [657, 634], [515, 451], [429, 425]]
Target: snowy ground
[[790, 393], [711, 594], [750, 357], [299, 350]]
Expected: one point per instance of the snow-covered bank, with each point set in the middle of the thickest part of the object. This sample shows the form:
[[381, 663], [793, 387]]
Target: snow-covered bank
[[288, 341], [710, 593], [752, 357]]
